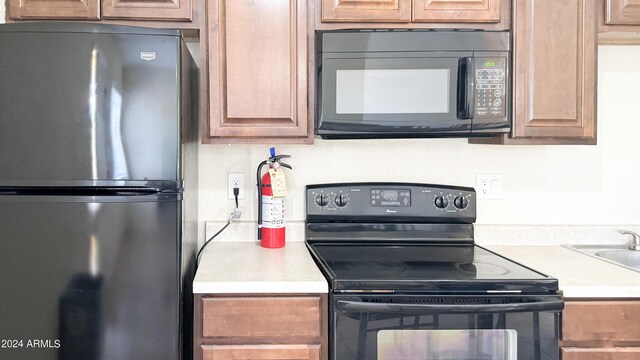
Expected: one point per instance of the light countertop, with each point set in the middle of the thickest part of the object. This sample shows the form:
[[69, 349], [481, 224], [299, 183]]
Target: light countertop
[[579, 275], [245, 267]]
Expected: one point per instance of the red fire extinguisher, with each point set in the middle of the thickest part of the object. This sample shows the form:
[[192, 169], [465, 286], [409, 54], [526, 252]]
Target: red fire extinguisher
[[271, 199]]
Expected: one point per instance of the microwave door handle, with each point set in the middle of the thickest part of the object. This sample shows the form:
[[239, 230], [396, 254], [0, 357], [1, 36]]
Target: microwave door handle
[[466, 88], [412, 309]]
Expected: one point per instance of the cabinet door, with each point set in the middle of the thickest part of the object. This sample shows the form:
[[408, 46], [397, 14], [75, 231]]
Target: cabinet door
[[600, 353], [366, 10], [258, 69], [59, 9], [170, 10], [554, 69], [262, 352], [601, 323], [456, 11], [622, 12]]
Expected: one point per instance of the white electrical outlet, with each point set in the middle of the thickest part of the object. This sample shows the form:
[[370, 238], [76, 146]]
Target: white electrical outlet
[[235, 180], [489, 186]]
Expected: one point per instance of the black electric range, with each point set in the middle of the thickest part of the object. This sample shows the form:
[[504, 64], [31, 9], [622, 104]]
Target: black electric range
[[404, 271]]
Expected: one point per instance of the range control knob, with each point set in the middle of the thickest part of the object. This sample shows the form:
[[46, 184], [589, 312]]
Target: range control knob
[[441, 202], [322, 200], [460, 202], [342, 200]]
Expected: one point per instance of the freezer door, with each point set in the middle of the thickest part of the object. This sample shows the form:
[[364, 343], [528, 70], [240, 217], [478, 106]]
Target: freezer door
[[88, 108], [91, 278]]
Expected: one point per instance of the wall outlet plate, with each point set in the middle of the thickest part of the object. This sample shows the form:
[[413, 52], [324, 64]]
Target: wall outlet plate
[[235, 180], [489, 186]]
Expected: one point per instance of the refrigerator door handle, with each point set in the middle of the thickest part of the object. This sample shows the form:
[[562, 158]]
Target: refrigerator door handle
[[79, 191]]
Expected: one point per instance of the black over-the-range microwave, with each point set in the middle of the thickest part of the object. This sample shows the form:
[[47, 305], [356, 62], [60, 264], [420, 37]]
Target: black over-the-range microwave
[[413, 83]]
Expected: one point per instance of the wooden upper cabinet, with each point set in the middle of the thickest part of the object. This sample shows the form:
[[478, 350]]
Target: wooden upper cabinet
[[258, 69], [59, 9], [366, 10], [622, 12], [170, 10], [456, 11], [555, 69]]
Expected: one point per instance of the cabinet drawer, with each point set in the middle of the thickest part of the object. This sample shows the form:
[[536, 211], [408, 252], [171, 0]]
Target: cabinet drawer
[[600, 353], [606, 323], [262, 352], [261, 317]]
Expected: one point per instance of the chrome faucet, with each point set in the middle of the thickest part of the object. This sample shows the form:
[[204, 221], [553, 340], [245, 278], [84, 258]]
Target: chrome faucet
[[634, 243]]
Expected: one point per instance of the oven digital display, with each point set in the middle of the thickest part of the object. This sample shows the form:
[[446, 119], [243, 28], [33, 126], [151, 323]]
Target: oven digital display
[[390, 197]]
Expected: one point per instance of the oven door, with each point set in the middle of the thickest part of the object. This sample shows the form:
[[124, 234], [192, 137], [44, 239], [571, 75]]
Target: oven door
[[395, 94], [480, 327]]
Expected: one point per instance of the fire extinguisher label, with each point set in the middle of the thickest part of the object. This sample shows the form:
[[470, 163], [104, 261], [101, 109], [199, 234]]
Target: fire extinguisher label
[[278, 183], [272, 212]]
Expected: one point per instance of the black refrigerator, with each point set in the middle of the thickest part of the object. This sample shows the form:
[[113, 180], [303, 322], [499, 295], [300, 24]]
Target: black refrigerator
[[98, 198]]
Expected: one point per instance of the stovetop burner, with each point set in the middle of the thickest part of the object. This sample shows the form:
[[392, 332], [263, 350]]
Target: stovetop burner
[[483, 269]]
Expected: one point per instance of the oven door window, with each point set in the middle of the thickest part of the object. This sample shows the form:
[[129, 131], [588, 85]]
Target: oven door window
[[447, 344], [406, 93]]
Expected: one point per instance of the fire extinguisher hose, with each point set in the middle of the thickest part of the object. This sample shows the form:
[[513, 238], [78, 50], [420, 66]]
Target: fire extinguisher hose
[[259, 178]]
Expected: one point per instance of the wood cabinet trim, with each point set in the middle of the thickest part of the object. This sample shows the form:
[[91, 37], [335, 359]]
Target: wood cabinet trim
[[169, 10], [43, 9], [479, 11]]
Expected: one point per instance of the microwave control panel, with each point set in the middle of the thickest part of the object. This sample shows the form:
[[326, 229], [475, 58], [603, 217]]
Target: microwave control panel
[[490, 83]]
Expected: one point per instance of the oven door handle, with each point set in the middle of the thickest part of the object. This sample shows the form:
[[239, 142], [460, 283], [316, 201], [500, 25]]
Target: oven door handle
[[412, 309]]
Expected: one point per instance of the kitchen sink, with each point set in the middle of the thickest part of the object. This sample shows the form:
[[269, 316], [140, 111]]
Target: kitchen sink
[[615, 254], [629, 258]]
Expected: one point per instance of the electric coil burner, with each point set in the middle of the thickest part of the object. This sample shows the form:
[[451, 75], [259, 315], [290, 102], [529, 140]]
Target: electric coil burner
[[408, 282]]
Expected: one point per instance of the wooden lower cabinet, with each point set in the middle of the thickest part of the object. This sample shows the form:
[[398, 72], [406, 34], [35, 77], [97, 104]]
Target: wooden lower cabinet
[[260, 326], [253, 317], [601, 330], [262, 352], [600, 353]]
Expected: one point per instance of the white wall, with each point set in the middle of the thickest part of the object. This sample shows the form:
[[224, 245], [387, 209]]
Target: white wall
[[1, 12], [594, 185]]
